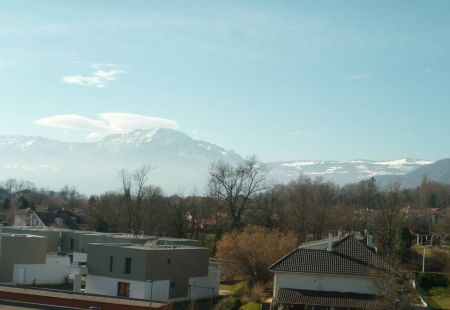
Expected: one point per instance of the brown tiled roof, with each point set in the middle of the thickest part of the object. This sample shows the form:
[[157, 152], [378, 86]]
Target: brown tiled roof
[[348, 256], [320, 298]]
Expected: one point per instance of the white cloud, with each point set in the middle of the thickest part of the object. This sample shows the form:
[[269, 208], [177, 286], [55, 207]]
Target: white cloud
[[98, 78], [106, 123], [358, 76]]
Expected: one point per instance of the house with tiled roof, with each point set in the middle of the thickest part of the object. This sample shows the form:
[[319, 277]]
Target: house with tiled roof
[[337, 273], [60, 219]]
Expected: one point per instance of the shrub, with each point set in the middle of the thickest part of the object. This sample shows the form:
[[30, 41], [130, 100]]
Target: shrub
[[250, 252], [228, 303], [428, 280]]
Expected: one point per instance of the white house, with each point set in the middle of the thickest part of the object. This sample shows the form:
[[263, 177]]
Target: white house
[[338, 273]]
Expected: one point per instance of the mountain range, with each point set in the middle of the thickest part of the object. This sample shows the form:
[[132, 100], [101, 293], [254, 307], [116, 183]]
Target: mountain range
[[180, 163]]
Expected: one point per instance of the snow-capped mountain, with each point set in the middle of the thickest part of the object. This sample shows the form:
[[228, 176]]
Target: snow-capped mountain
[[343, 172], [180, 163]]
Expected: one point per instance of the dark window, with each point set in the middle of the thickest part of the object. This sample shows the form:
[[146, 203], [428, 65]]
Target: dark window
[[169, 261], [123, 289], [128, 265], [71, 244], [111, 263]]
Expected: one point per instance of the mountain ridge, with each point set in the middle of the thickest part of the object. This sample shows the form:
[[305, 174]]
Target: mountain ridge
[[181, 163]]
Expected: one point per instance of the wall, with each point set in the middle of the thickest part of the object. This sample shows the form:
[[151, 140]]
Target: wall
[[65, 242], [20, 249], [319, 282], [98, 261], [210, 281], [51, 235], [54, 271], [138, 289], [79, 257], [184, 263]]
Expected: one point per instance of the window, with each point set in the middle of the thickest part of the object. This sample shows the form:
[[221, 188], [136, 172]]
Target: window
[[123, 289], [111, 263], [71, 244], [169, 261], [128, 265]]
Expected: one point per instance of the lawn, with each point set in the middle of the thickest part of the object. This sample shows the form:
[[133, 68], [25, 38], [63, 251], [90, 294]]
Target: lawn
[[439, 297], [251, 306], [236, 288]]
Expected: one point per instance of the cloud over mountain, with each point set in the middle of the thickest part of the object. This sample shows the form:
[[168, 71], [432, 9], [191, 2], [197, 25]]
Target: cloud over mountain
[[106, 123]]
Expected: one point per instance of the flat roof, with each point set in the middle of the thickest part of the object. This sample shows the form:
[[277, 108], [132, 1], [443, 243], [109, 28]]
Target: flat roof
[[146, 247], [118, 235], [14, 235]]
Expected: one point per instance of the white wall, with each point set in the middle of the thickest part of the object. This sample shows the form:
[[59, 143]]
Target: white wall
[[79, 257], [319, 282], [212, 280], [54, 271], [138, 289]]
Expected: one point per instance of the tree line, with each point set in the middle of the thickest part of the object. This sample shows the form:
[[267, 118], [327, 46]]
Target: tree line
[[238, 196]]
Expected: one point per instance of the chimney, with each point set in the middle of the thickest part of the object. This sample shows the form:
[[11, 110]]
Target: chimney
[[339, 233], [370, 240], [330, 242]]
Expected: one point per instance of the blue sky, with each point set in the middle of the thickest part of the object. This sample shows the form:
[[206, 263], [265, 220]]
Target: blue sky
[[282, 79]]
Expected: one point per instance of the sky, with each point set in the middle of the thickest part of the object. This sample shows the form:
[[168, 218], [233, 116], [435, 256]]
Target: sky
[[285, 80]]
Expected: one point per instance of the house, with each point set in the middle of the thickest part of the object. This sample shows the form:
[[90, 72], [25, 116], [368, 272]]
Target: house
[[24, 260], [150, 271], [336, 273], [60, 219]]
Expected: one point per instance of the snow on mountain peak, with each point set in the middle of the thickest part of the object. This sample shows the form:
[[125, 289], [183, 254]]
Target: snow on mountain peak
[[135, 138]]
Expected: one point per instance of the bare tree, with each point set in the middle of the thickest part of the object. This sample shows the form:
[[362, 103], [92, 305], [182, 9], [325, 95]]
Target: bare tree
[[387, 219], [133, 185], [236, 185]]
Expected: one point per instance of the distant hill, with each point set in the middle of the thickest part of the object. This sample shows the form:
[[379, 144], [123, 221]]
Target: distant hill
[[438, 171], [180, 162]]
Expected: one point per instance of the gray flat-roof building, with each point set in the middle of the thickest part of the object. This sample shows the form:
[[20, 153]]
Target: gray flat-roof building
[[24, 260], [157, 272]]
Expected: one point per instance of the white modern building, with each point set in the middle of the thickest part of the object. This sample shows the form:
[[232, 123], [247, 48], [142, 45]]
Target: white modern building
[[156, 272], [24, 260]]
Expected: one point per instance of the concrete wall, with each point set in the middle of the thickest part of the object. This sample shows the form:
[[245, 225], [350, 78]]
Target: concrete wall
[[319, 282], [65, 242], [79, 257], [176, 241], [54, 271], [99, 256], [158, 290], [20, 249], [51, 235], [178, 265], [199, 285]]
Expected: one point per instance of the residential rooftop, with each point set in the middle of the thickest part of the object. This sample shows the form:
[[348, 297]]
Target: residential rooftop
[[347, 256], [148, 247]]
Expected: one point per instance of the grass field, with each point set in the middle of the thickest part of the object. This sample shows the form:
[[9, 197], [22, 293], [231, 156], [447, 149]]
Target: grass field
[[236, 287], [251, 306], [439, 297]]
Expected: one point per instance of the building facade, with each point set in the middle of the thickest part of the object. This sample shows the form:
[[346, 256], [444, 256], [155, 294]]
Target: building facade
[[156, 272]]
